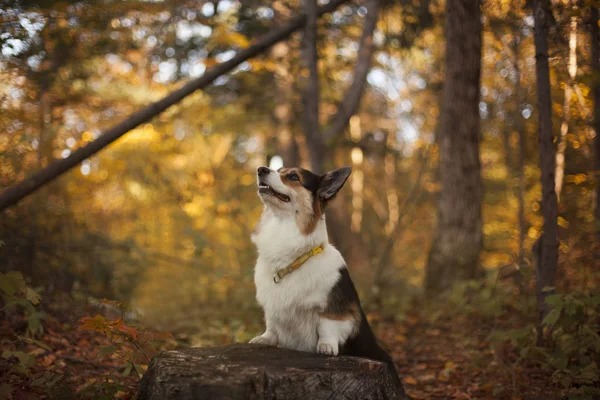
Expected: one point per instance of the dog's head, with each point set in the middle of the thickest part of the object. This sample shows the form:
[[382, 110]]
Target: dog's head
[[299, 193]]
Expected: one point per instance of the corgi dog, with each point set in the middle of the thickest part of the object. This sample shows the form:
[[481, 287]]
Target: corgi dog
[[302, 283]]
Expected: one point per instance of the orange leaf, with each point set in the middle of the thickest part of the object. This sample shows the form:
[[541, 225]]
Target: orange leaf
[[163, 336], [409, 380], [96, 324], [128, 330]]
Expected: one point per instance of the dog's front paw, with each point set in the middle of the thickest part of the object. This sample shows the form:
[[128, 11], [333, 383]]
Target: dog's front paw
[[264, 339], [327, 349]]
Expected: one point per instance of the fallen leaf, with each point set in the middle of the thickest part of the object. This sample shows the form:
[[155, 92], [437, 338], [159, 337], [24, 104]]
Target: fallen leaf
[[401, 338], [409, 380], [426, 378]]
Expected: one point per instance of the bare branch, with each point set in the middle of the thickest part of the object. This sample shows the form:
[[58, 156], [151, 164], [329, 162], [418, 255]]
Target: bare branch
[[349, 105]]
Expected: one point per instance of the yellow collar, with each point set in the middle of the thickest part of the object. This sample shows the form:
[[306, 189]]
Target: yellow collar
[[279, 275]]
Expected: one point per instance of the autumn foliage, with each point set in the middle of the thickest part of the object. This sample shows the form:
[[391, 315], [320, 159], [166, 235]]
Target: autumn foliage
[[160, 221]]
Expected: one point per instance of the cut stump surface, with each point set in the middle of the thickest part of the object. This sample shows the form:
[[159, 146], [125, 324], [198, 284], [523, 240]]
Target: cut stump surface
[[248, 371]]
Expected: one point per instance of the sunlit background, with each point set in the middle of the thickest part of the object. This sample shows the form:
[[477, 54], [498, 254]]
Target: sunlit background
[[162, 218]]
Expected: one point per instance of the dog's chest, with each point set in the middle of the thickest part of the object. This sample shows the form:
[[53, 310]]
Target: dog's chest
[[306, 288], [293, 305]]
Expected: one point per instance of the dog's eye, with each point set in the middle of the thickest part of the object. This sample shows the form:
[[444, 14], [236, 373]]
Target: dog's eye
[[293, 177]]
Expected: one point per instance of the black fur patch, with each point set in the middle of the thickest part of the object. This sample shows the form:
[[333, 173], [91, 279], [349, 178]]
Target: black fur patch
[[310, 181], [344, 299]]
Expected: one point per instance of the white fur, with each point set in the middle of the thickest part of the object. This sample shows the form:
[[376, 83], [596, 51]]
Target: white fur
[[332, 334], [293, 305]]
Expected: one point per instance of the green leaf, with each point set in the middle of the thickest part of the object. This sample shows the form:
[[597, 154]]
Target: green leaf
[[39, 381], [32, 296], [11, 282], [112, 388], [565, 381], [36, 342], [560, 362], [554, 300], [6, 354], [127, 369], [497, 391], [552, 317], [547, 289], [34, 323], [107, 350], [25, 360], [54, 380]]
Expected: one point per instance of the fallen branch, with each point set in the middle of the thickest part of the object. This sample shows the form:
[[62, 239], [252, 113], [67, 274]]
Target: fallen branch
[[14, 194]]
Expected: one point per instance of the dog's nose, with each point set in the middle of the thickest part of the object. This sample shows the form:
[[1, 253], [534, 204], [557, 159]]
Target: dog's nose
[[262, 171]]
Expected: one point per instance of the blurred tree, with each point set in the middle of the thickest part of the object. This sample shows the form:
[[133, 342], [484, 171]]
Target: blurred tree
[[162, 216], [547, 249], [595, 64], [454, 255], [310, 94], [287, 145], [349, 242], [564, 126], [520, 130]]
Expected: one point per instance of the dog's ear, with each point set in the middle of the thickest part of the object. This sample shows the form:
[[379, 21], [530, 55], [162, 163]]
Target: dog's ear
[[332, 182]]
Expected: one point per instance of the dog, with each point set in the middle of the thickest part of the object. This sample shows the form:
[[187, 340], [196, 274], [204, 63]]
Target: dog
[[302, 283]]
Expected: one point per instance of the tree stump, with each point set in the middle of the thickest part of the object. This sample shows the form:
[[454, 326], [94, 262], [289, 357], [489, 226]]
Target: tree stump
[[251, 371]]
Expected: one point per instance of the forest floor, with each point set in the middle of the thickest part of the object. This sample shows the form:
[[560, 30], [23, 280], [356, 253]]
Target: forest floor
[[438, 358], [68, 361], [452, 358]]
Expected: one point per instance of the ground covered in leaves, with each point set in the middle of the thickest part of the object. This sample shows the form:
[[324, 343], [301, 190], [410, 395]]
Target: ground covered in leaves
[[481, 341], [80, 351], [451, 358], [477, 347]]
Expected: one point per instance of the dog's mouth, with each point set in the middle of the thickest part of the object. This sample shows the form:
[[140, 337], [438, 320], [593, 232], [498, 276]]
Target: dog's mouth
[[263, 188]]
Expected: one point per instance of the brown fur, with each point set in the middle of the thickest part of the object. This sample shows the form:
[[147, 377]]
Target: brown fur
[[310, 210], [352, 313]]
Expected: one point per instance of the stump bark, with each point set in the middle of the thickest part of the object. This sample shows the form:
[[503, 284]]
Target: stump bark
[[244, 371]]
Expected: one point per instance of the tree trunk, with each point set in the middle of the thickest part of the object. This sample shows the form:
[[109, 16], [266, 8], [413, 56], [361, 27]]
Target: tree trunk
[[286, 141], [390, 187], [310, 95], [455, 251], [507, 131], [357, 178], [348, 242], [548, 252], [263, 372], [595, 43], [45, 137], [518, 120], [564, 127]]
